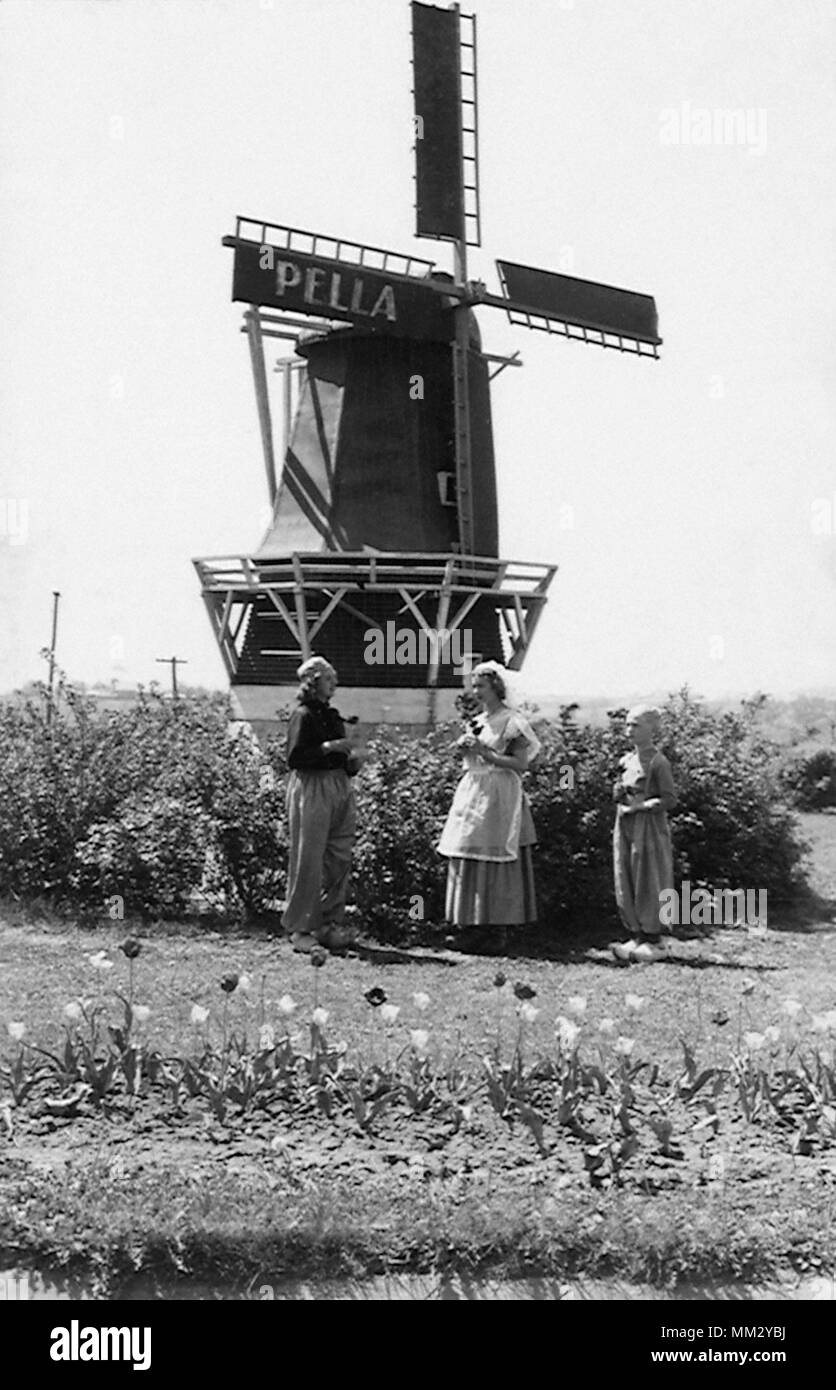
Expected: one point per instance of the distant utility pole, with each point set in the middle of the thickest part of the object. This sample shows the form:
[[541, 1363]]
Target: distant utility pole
[[55, 597], [173, 662]]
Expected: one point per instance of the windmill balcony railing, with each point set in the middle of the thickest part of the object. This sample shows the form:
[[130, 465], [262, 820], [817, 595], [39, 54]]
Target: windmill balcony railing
[[392, 571]]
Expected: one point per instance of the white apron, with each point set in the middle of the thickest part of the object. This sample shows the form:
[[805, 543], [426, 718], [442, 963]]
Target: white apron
[[490, 816]]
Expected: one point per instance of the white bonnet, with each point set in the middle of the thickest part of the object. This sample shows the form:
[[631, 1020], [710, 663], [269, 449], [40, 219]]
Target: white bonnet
[[315, 666]]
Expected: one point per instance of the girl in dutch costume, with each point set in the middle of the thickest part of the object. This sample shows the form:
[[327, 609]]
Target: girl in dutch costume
[[489, 832], [642, 851]]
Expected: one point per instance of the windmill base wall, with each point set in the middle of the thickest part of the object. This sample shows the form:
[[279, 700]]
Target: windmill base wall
[[413, 710]]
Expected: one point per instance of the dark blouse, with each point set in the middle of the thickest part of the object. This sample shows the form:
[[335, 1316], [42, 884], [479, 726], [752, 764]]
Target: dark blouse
[[312, 724]]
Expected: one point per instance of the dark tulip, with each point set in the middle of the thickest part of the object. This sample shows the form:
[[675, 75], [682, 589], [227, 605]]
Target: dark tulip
[[499, 979], [318, 956], [229, 983], [130, 947], [524, 992], [375, 996]]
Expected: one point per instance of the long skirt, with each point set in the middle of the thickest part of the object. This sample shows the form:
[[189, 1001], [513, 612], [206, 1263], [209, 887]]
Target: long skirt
[[642, 868], [485, 893]]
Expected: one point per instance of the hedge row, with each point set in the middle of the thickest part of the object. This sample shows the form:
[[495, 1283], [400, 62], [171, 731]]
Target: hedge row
[[163, 806]]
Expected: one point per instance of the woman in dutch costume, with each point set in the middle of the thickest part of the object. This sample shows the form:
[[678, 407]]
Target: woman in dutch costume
[[489, 833], [642, 851]]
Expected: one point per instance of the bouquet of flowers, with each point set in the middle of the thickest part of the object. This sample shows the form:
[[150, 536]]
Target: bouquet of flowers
[[469, 708]]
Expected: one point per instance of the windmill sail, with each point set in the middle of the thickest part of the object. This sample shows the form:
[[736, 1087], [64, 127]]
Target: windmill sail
[[540, 298], [439, 195]]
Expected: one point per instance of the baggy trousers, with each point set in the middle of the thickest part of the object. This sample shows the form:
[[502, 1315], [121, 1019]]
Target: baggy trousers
[[322, 820]]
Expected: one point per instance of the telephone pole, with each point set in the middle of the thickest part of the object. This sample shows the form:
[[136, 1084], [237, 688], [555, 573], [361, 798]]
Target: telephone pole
[[55, 597], [173, 662]]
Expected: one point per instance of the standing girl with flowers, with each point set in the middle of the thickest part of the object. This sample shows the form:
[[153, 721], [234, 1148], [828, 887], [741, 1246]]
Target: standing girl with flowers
[[489, 832], [642, 853]]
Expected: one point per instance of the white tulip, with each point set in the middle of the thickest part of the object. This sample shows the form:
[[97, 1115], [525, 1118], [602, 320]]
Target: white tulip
[[567, 1032]]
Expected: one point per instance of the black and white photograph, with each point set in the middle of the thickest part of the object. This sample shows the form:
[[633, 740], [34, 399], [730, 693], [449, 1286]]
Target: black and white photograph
[[418, 666]]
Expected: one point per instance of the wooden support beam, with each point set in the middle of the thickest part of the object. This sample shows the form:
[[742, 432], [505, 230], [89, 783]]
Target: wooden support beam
[[521, 618], [357, 613], [441, 625], [301, 608], [415, 610], [285, 613], [262, 399], [240, 623], [214, 616], [464, 610], [534, 614], [326, 613], [287, 398]]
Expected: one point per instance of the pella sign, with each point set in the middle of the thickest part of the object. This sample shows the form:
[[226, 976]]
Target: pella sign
[[278, 278]]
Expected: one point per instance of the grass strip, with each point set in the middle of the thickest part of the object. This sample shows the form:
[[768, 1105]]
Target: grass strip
[[232, 1231]]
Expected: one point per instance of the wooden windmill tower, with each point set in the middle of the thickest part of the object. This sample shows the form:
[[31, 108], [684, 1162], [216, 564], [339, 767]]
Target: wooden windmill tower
[[383, 539]]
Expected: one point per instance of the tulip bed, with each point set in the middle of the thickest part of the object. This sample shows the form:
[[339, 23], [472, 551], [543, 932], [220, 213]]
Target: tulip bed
[[320, 1115]]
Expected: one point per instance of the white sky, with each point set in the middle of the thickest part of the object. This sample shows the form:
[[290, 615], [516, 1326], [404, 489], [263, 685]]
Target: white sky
[[701, 487]]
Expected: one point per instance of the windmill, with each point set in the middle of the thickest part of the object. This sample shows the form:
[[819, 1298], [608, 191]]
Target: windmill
[[382, 548]]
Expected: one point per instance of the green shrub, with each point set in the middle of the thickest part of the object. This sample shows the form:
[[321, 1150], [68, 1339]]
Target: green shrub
[[249, 826], [403, 796], [732, 827], [151, 854], [809, 779], [154, 804]]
